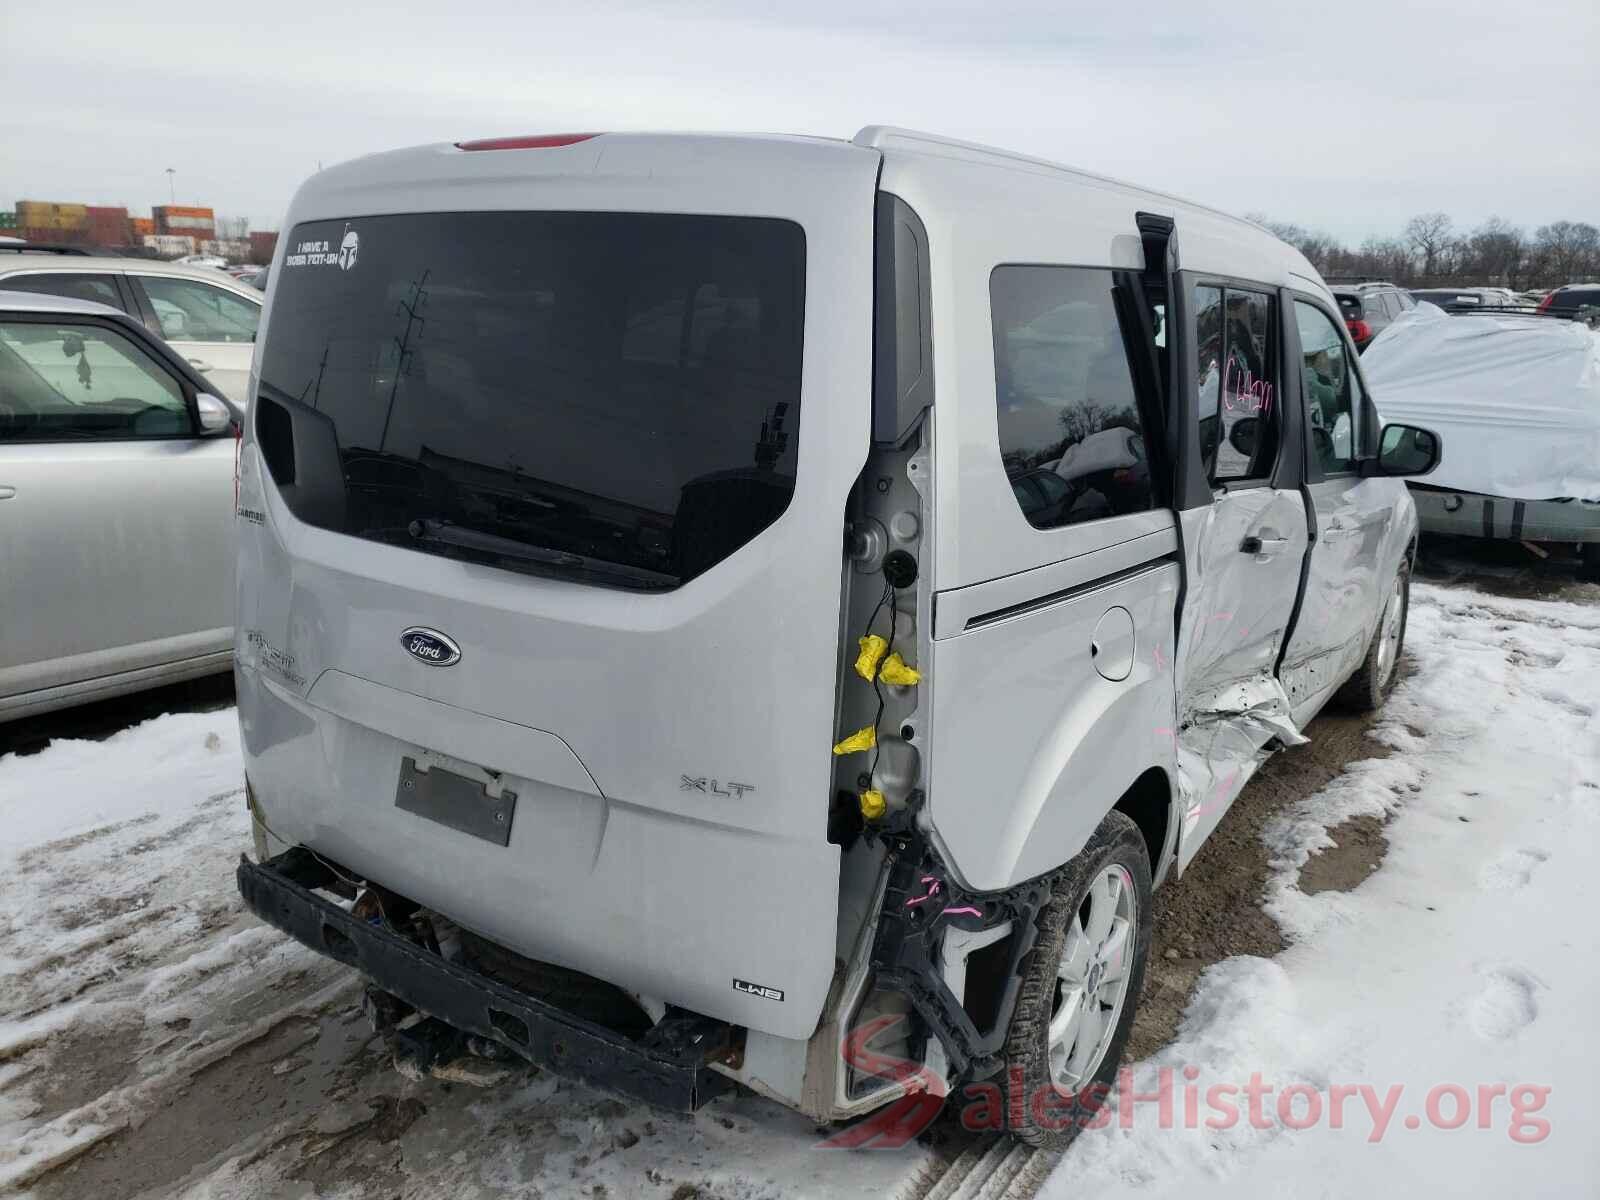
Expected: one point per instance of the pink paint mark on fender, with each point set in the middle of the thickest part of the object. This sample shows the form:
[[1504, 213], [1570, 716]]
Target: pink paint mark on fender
[[968, 911], [1160, 657]]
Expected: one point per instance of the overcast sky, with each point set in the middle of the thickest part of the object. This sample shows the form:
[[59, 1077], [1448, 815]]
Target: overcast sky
[[1347, 117]]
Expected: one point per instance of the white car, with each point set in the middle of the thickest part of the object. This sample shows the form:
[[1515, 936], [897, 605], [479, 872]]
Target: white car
[[204, 315], [634, 597]]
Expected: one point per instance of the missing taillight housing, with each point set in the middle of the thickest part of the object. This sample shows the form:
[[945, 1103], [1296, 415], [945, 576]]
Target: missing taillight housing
[[539, 141]]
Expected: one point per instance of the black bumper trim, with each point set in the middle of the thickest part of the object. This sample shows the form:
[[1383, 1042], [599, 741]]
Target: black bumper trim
[[667, 1068]]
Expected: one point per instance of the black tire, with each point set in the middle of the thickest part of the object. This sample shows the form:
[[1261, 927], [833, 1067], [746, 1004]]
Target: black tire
[[1369, 687], [1047, 1114]]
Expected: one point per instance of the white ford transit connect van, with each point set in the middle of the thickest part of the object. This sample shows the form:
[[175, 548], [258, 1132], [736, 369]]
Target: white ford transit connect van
[[761, 609]]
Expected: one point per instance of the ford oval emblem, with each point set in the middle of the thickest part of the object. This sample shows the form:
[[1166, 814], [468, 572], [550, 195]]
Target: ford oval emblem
[[430, 646]]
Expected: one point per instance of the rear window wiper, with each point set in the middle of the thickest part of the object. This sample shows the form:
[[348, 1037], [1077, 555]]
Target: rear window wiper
[[451, 534]]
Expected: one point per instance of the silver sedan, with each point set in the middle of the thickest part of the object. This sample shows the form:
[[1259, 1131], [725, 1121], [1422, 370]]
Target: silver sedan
[[116, 508]]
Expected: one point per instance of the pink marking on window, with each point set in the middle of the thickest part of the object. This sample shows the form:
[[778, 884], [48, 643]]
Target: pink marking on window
[[1243, 392]]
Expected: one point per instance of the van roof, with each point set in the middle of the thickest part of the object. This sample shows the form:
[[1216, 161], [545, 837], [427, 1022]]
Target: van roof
[[1093, 211], [943, 172]]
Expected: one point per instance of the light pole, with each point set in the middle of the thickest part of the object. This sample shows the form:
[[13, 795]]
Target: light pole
[[172, 188]]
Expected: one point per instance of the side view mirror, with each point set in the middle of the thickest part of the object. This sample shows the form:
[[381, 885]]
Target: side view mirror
[[1404, 450], [215, 416]]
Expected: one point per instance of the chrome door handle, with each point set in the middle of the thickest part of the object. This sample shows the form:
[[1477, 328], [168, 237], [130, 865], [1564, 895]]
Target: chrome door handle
[[1261, 545], [6, 492]]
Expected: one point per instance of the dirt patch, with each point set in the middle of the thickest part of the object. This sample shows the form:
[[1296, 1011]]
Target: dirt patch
[[222, 1105], [365, 1154], [76, 1065], [1359, 846], [1214, 911], [1507, 568]]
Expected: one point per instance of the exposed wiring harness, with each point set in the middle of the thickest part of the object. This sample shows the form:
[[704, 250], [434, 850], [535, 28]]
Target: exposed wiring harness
[[888, 598]]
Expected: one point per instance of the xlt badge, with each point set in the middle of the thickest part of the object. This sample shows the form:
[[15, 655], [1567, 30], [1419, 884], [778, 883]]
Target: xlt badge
[[430, 646], [700, 783]]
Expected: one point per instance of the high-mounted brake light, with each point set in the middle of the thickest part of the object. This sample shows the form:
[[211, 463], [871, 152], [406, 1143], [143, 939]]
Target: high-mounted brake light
[[541, 141]]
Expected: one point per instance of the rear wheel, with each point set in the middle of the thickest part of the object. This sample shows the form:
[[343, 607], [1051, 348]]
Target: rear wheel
[[1080, 987], [1370, 686]]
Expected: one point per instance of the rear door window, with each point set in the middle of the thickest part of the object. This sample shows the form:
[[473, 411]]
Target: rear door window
[[1071, 437], [191, 311], [611, 397], [102, 289], [1236, 369]]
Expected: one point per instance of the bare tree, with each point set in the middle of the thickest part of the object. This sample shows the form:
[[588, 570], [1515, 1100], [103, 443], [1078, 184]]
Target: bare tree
[[1566, 251], [1429, 235], [1496, 251]]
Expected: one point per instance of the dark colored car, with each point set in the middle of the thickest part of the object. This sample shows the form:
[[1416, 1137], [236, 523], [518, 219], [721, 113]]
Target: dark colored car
[[1569, 299], [1368, 308], [1450, 299]]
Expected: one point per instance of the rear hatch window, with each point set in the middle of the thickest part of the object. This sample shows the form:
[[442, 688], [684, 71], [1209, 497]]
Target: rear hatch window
[[606, 397]]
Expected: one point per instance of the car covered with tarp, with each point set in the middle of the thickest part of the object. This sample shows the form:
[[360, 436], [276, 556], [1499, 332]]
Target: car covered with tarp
[[1516, 400]]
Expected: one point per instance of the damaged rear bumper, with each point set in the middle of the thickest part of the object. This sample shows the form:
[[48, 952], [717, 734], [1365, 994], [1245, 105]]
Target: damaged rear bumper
[[668, 1067]]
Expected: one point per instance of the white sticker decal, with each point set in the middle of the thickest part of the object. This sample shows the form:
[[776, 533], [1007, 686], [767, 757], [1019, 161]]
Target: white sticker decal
[[316, 253]]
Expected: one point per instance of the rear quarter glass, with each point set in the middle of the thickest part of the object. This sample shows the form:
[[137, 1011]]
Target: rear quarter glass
[[619, 391]]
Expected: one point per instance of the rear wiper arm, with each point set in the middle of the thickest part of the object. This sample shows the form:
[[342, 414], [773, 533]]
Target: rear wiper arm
[[451, 534]]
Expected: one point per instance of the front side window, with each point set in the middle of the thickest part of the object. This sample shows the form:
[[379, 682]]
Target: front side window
[[190, 311], [1071, 438], [83, 382], [1236, 371], [609, 397], [1331, 389], [102, 289]]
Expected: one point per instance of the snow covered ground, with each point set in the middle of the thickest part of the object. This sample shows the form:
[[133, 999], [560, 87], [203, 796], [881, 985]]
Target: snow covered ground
[[1467, 966], [155, 1041]]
